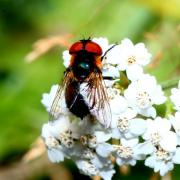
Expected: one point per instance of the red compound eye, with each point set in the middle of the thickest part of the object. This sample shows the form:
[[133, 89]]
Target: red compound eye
[[76, 47], [93, 47], [86, 45]]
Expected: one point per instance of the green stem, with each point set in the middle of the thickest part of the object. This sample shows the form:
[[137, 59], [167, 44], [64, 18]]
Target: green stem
[[170, 83]]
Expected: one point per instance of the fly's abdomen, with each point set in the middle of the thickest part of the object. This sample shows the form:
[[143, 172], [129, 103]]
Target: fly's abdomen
[[75, 101]]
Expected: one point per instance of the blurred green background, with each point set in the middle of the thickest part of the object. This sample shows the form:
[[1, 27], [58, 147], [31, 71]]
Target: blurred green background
[[23, 22]]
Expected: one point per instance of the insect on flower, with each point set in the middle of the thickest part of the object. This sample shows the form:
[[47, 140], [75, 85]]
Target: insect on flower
[[84, 70]]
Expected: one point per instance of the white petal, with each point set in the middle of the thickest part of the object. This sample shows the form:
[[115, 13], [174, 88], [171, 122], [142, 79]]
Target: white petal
[[130, 142], [67, 58], [158, 95], [138, 156], [134, 72], [128, 135], [104, 149], [48, 98], [55, 155], [162, 124], [46, 131], [158, 165], [111, 71], [142, 54], [129, 113], [118, 104], [137, 126], [98, 162], [166, 167], [87, 167], [150, 161], [122, 66], [119, 161], [169, 141], [114, 121], [102, 136], [175, 97], [144, 148], [132, 162], [112, 56], [148, 112], [60, 125], [116, 133], [126, 42], [178, 140], [107, 174], [175, 121], [176, 157]]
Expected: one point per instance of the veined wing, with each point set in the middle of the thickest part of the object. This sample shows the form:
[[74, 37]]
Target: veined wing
[[60, 93], [97, 98]]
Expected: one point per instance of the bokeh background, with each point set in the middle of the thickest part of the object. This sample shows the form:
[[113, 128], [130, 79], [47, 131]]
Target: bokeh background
[[24, 76]]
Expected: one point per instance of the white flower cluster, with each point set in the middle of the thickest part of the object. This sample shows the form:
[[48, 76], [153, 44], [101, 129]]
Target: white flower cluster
[[136, 132]]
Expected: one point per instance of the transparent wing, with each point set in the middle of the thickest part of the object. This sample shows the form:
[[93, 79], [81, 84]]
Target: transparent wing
[[56, 105], [97, 98]]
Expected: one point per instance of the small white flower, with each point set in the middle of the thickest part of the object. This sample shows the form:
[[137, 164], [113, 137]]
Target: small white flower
[[132, 58], [160, 160], [175, 97], [54, 149], [126, 152], [126, 125], [134, 54], [125, 56], [65, 131], [61, 138], [158, 134], [143, 94]]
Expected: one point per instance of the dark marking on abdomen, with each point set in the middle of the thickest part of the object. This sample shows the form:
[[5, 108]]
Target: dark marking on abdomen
[[75, 101]]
